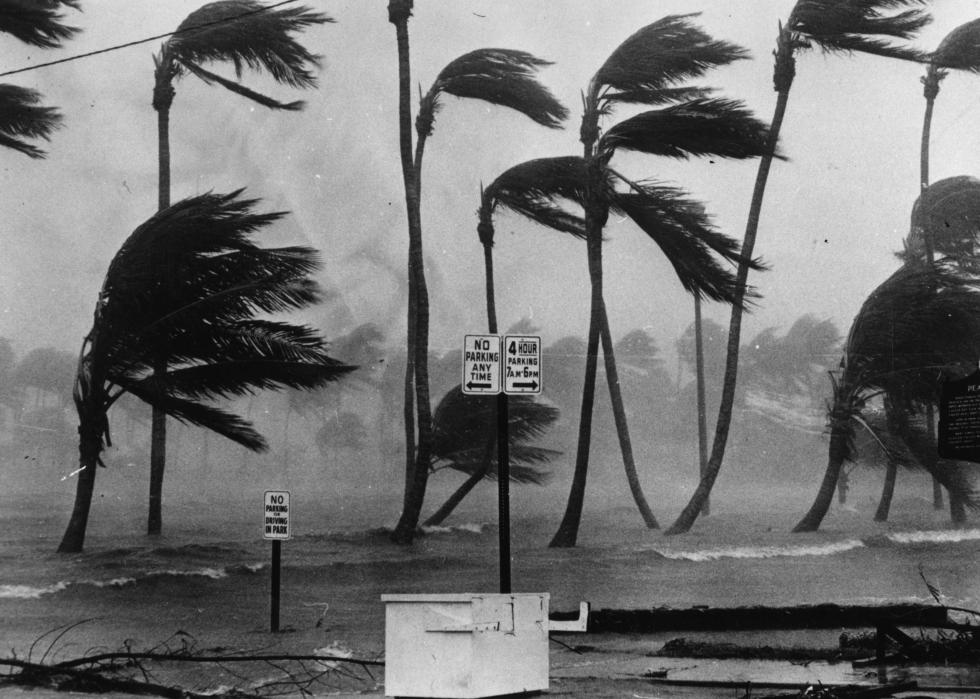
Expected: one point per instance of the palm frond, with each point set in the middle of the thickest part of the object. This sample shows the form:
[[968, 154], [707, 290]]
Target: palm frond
[[37, 22], [960, 49], [868, 26], [683, 231], [946, 216], [651, 63], [504, 77], [249, 35], [209, 78], [536, 190], [718, 127], [227, 424], [22, 118]]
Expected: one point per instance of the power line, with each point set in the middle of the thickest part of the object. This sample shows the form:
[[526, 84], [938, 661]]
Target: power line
[[148, 39]]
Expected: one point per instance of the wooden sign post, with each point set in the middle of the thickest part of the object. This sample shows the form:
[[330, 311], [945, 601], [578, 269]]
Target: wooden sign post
[[276, 514]]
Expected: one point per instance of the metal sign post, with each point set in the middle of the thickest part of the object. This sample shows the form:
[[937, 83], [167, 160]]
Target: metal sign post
[[276, 529]]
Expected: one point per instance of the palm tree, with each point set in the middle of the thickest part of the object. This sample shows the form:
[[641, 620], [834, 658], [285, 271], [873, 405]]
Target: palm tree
[[920, 322], [22, 118], [501, 77], [207, 318], [959, 50], [836, 27], [460, 426], [246, 34], [649, 68]]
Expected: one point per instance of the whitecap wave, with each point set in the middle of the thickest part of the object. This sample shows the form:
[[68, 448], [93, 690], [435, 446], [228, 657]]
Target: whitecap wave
[[935, 536], [470, 528], [30, 591], [764, 551]]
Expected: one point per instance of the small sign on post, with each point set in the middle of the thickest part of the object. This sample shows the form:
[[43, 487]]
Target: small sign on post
[[481, 365], [276, 528], [522, 364], [959, 419]]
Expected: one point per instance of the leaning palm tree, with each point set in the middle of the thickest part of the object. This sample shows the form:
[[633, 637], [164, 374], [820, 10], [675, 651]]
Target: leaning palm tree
[[206, 317], [922, 321], [22, 118], [246, 34], [460, 426], [501, 77], [835, 27]]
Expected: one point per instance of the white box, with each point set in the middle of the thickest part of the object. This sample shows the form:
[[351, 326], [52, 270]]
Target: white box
[[465, 645]]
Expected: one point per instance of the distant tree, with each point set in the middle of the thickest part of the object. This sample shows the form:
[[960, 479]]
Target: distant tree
[[866, 26], [49, 370], [206, 317], [22, 118]]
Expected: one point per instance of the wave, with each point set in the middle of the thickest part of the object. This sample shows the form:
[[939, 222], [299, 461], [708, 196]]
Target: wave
[[470, 528], [935, 536], [764, 551], [37, 591]]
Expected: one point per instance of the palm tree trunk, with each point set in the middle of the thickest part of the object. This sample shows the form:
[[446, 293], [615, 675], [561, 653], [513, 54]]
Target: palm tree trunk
[[887, 491], [417, 464], [89, 446], [784, 73], [446, 509], [835, 462], [567, 534], [163, 95], [702, 404], [622, 428], [843, 485]]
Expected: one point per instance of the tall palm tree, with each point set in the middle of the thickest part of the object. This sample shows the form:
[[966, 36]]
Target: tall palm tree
[[246, 34], [207, 317], [460, 426], [835, 27], [920, 322], [22, 118], [501, 77]]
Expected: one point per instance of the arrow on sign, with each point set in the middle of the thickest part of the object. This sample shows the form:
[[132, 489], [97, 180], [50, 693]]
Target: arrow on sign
[[472, 385], [533, 385]]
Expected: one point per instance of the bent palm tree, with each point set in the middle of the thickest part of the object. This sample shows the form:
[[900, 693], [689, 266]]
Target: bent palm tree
[[246, 34], [834, 26], [460, 426], [22, 118], [499, 76], [539, 189], [923, 320], [649, 68], [206, 317]]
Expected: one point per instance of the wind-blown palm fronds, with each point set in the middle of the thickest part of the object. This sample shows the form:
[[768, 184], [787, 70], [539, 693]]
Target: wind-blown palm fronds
[[877, 27], [248, 35], [922, 321], [37, 22], [503, 77], [189, 282], [21, 117], [461, 424], [946, 223]]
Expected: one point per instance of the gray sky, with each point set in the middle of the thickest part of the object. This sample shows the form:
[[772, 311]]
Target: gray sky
[[834, 213]]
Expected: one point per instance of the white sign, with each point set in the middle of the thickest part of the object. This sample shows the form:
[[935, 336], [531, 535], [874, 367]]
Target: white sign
[[481, 364], [276, 514], [522, 364]]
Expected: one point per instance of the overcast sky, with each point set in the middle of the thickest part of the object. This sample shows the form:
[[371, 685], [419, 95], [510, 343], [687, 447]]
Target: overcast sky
[[834, 214]]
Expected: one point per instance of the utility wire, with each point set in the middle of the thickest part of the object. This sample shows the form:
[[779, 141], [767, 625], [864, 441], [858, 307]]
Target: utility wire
[[148, 39]]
